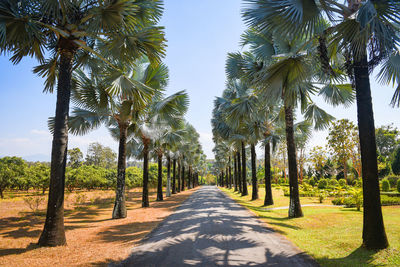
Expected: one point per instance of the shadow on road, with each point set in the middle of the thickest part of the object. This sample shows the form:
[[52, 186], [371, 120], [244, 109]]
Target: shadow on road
[[211, 230]]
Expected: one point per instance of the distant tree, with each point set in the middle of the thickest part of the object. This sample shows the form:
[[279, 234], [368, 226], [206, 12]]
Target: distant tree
[[396, 162], [387, 138], [10, 169], [318, 158], [343, 140], [39, 173], [75, 157], [100, 156]]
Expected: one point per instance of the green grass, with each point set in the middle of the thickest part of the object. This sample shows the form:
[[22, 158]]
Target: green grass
[[332, 235]]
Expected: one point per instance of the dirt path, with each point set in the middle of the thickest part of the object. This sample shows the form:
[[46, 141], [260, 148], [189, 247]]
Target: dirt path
[[210, 229]]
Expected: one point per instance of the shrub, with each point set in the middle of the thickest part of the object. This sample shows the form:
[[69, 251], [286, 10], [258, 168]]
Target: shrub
[[333, 182], [398, 186], [79, 199], [385, 185], [392, 180], [34, 203], [357, 198], [322, 184], [390, 201], [321, 196], [396, 162], [338, 201], [342, 182], [286, 191], [281, 181], [358, 183], [311, 181]]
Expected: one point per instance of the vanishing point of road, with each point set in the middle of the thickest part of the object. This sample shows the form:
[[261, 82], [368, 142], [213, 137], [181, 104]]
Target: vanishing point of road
[[210, 229]]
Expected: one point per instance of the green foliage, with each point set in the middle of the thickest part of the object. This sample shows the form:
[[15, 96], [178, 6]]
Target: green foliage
[[333, 182], [385, 185], [281, 181], [321, 196], [342, 182], [398, 186], [101, 156], [312, 181], [390, 200], [75, 157], [387, 138], [392, 180], [11, 169], [396, 162], [322, 184]]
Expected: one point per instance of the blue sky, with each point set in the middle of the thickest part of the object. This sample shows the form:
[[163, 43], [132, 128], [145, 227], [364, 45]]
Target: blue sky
[[200, 33]]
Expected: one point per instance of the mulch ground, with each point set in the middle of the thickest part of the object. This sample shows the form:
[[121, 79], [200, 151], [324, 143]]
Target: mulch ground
[[93, 238]]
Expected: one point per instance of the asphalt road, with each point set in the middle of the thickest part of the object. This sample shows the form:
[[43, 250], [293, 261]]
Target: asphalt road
[[210, 229]]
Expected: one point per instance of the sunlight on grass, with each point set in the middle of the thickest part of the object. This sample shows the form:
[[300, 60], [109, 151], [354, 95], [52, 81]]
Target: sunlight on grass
[[332, 235]]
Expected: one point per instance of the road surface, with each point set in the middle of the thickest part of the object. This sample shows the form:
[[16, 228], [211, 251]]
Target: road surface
[[210, 229]]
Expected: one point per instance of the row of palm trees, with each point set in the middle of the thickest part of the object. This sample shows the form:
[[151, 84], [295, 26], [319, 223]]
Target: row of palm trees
[[105, 58], [298, 50]]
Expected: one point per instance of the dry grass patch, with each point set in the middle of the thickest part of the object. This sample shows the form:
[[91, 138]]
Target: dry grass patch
[[93, 237]]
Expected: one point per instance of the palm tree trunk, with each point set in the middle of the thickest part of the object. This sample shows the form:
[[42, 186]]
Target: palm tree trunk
[[230, 173], [159, 178], [189, 184], [239, 165], [227, 177], [183, 177], [294, 206], [145, 194], [179, 176], [168, 193], [53, 232], [235, 172], [254, 194], [244, 172], [119, 210], [267, 166], [174, 176], [374, 235]]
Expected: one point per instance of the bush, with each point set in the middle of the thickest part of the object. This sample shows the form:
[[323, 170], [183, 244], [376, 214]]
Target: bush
[[80, 198], [333, 182], [342, 182], [398, 186], [385, 185], [358, 183], [321, 196], [311, 181], [34, 203], [281, 181], [396, 162], [389, 201], [322, 184], [392, 180]]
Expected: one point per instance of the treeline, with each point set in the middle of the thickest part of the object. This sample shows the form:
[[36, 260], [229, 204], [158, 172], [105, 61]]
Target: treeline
[[18, 174]]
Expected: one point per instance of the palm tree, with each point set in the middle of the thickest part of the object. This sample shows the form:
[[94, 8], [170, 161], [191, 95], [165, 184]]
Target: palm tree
[[95, 105], [71, 31], [163, 141], [281, 71], [160, 114], [365, 28]]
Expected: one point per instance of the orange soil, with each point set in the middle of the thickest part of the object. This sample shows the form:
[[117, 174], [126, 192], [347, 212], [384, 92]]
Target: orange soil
[[93, 238]]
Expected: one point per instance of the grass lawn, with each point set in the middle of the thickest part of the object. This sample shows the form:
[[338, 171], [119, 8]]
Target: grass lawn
[[93, 238], [332, 235]]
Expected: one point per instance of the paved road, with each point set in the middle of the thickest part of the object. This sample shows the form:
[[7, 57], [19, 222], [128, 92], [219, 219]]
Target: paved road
[[210, 229]]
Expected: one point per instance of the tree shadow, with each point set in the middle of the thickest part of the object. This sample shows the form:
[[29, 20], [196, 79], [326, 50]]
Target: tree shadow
[[210, 229], [359, 257], [16, 251]]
